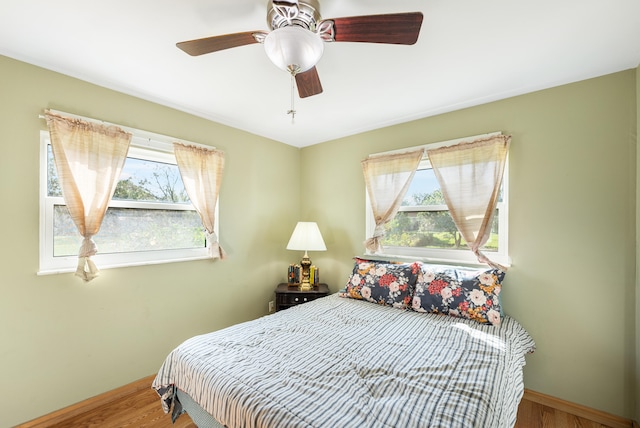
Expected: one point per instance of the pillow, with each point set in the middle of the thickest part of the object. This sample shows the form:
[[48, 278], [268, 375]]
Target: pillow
[[383, 282], [459, 292]]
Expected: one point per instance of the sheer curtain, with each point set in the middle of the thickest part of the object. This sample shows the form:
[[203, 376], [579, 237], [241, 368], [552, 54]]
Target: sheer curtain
[[201, 170], [89, 158], [387, 178], [470, 175]]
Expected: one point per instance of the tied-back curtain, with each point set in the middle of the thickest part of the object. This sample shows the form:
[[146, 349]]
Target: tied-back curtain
[[89, 158], [387, 178], [201, 170], [470, 175]]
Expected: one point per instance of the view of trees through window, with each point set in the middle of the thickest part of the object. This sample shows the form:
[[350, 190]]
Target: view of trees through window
[[150, 210], [423, 220]]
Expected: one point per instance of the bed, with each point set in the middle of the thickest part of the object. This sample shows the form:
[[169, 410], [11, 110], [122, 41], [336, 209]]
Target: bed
[[344, 361]]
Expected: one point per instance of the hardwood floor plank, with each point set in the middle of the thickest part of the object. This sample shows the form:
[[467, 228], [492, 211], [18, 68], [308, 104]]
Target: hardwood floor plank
[[525, 415]]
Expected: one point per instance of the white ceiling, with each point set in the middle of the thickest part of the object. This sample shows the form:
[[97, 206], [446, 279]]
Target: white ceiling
[[469, 52]]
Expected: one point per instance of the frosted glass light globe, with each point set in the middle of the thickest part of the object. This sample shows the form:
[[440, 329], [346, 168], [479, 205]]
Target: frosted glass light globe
[[293, 49]]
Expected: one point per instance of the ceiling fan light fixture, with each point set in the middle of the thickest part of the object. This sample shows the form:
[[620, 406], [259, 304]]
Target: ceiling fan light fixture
[[293, 48]]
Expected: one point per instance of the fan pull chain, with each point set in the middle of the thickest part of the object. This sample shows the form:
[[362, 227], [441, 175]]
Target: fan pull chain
[[292, 112]]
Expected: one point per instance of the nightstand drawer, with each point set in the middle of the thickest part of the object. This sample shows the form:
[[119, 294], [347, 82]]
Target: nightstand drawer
[[291, 296], [296, 299]]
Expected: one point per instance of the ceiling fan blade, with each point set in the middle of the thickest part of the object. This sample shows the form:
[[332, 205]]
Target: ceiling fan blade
[[395, 28], [218, 43], [308, 83]]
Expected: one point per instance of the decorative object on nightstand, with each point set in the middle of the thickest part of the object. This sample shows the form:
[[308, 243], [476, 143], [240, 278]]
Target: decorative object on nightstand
[[287, 297], [306, 237]]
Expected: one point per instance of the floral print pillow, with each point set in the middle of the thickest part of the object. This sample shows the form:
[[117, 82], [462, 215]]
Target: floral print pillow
[[382, 282], [459, 292]]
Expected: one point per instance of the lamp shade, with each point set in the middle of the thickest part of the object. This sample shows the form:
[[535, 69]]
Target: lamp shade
[[306, 237], [293, 48]]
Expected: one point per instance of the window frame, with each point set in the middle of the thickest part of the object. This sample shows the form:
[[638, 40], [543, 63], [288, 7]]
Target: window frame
[[447, 256], [143, 145]]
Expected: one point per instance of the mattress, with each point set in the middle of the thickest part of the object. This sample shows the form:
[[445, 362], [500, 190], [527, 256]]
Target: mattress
[[339, 362]]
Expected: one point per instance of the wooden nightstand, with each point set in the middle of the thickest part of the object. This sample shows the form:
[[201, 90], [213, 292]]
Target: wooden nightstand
[[290, 296]]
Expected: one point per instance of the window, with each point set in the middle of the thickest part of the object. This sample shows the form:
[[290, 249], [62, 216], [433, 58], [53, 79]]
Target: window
[[424, 229], [149, 220]]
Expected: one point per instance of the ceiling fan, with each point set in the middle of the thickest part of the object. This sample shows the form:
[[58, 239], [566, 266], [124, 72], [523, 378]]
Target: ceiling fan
[[296, 40]]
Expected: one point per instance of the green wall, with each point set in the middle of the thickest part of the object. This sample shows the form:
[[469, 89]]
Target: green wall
[[572, 225], [572, 219], [637, 297], [62, 340]]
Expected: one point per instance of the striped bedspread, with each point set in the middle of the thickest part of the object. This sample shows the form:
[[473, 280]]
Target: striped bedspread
[[337, 362]]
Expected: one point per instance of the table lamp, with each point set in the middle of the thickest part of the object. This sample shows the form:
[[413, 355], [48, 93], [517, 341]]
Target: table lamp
[[306, 237]]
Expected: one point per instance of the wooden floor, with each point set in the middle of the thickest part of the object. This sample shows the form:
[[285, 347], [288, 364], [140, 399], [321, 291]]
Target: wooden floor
[[535, 415], [142, 409]]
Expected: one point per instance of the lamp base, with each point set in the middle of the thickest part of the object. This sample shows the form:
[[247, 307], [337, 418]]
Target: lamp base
[[305, 286], [305, 263]]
